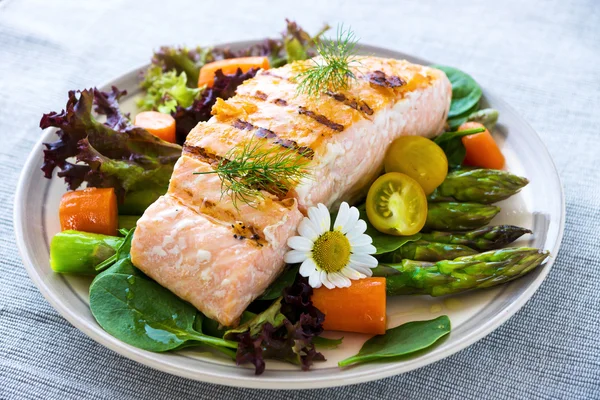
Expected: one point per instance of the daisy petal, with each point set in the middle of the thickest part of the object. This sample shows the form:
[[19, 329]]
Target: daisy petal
[[325, 280], [366, 249], [307, 229], [353, 216], [363, 259], [313, 279], [362, 269], [342, 216], [300, 243], [341, 280], [315, 217], [296, 256], [308, 267], [359, 229], [352, 273], [361, 240], [325, 217]]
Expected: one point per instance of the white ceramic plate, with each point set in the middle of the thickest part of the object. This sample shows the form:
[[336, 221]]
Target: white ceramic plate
[[540, 206]]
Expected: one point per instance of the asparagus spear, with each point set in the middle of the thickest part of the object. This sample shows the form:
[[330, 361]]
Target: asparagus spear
[[451, 216], [487, 116], [423, 250], [477, 271], [484, 186], [486, 238], [74, 252]]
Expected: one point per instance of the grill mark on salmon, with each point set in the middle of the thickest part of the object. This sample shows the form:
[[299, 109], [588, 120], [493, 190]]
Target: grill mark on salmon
[[201, 154], [261, 95], [358, 105], [264, 133], [320, 119], [280, 102], [380, 78]]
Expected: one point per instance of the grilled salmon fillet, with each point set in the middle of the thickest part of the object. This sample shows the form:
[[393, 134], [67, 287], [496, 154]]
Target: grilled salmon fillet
[[220, 256]]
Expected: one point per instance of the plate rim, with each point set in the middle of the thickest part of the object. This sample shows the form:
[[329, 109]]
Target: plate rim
[[250, 381]]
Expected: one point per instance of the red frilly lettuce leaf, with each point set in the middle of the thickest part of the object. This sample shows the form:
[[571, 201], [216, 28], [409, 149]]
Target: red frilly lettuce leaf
[[284, 331], [110, 154]]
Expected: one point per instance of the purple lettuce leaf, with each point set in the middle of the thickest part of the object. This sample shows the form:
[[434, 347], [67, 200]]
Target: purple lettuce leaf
[[110, 154], [284, 331]]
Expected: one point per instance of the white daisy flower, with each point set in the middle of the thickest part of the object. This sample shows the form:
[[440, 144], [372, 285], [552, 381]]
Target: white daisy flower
[[332, 256]]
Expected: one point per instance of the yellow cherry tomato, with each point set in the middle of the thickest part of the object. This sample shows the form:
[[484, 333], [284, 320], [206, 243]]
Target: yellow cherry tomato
[[419, 158], [397, 205]]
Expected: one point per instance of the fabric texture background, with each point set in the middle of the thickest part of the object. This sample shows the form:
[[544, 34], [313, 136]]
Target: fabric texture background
[[542, 57]]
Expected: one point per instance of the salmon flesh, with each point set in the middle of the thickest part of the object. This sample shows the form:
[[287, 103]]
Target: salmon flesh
[[220, 256]]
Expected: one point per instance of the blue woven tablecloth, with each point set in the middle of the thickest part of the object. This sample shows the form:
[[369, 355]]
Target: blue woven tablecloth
[[543, 57]]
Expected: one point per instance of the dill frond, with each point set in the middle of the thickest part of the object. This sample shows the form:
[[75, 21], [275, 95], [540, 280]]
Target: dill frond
[[246, 170], [333, 70]]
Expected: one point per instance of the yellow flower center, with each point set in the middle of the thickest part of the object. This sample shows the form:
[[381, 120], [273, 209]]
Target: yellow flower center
[[331, 251]]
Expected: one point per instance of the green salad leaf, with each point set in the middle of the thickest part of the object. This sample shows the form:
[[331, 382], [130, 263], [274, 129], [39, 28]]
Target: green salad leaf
[[166, 90], [465, 91], [402, 340], [143, 314]]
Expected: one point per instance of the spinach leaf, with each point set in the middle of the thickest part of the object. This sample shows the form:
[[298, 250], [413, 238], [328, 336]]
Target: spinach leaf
[[402, 340], [384, 243], [143, 314], [325, 343], [452, 145], [465, 91], [284, 280], [457, 121]]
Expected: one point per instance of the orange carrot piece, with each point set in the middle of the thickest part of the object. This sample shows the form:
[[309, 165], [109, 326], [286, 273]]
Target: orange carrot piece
[[230, 66], [90, 210], [482, 150], [358, 308], [159, 124]]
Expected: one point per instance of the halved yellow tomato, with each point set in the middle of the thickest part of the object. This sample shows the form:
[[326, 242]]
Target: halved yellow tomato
[[396, 205], [419, 158]]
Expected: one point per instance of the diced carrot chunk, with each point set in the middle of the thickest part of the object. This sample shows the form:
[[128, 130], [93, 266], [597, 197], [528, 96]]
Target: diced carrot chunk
[[358, 308], [158, 124], [482, 150], [90, 210]]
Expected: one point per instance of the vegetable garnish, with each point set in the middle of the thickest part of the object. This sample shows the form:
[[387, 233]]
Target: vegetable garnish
[[358, 308], [111, 154], [402, 340], [477, 271], [419, 158], [396, 205], [90, 210], [481, 149], [333, 69], [157, 123], [332, 257], [246, 170]]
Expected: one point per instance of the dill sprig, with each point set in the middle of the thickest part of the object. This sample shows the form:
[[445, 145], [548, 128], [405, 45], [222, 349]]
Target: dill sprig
[[333, 70], [247, 169]]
